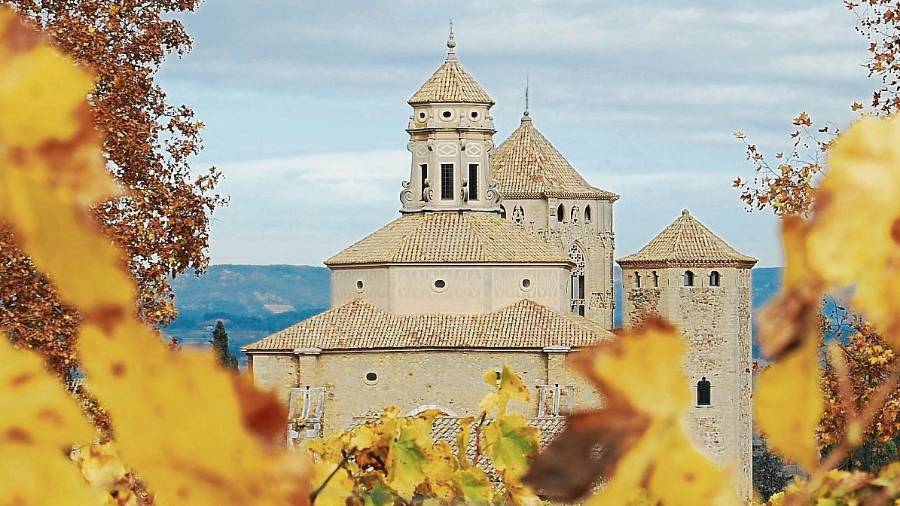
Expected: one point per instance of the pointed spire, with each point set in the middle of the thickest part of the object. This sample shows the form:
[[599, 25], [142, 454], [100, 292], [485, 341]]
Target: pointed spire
[[525, 115], [451, 44]]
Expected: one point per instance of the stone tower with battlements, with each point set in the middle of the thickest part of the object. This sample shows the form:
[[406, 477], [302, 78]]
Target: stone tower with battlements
[[694, 279]]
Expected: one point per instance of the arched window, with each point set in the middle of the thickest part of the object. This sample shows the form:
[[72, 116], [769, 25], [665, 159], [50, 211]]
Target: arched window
[[560, 213], [518, 215], [714, 278], [577, 257], [655, 279], [688, 278], [637, 279], [587, 214], [703, 395], [502, 212]]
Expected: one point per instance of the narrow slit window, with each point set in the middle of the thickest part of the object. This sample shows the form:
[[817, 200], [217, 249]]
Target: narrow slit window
[[446, 181], [703, 392], [637, 279], [655, 279], [424, 169], [473, 181]]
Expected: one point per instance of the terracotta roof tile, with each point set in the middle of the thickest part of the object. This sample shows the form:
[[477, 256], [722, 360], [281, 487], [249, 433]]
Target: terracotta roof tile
[[527, 165], [451, 83], [360, 325], [687, 240], [448, 237]]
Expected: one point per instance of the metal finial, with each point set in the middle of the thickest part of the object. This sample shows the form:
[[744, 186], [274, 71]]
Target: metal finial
[[451, 44], [526, 93]]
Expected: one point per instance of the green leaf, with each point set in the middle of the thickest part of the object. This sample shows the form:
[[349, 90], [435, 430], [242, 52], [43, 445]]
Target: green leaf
[[510, 443], [475, 485]]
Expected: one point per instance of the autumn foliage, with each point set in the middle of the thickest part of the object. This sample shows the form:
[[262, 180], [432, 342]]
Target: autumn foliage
[[196, 434], [159, 219]]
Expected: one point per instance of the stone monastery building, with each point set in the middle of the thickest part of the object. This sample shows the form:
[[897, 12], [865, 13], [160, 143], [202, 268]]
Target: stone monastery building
[[504, 255]]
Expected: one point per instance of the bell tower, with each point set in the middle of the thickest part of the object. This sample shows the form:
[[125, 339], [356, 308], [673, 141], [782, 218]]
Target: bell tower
[[451, 135]]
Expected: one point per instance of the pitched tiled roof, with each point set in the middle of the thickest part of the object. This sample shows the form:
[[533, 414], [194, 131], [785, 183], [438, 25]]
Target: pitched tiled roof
[[448, 237], [527, 165], [687, 240], [360, 325], [451, 83]]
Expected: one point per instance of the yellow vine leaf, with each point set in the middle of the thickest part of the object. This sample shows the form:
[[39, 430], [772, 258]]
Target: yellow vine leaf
[[206, 458], [475, 485], [788, 404], [340, 487], [640, 428], [85, 267], [511, 443], [508, 387], [409, 453], [40, 423], [462, 440], [197, 434], [854, 238]]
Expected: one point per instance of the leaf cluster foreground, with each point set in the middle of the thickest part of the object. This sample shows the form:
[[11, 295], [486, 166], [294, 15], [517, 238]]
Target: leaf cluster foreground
[[51, 173]]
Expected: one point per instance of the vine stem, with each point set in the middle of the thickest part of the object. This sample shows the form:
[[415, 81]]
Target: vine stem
[[318, 490], [864, 420]]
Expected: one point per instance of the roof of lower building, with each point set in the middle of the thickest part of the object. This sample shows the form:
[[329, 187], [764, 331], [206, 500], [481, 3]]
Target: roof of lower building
[[448, 237], [527, 165], [688, 241], [359, 325], [450, 83]]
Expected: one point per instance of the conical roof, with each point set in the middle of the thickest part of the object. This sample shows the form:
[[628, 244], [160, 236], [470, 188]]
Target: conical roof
[[527, 165], [687, 242], [451, 83], [448, 237]]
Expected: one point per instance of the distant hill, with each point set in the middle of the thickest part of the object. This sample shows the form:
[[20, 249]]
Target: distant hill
[[252, 300], [256, 300]]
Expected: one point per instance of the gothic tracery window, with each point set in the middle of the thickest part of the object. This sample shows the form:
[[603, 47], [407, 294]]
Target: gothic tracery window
[[518, 215], [578, 289]]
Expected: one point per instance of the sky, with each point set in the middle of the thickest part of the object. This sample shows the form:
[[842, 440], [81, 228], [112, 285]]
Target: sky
[[305, 105]]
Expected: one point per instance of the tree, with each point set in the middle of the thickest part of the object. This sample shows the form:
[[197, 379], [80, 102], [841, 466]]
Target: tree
[[769, 472], [161, 220], [786, 184], [220, 344]]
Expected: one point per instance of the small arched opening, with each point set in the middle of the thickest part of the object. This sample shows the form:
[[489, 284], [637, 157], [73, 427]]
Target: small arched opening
[[703, 392], [637, 279], [715, 279], [560, 213], [688, 278], [502, 211], [587, 214], [655, 279]]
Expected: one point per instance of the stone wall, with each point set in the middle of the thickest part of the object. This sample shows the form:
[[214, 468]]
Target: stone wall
[[595, 238], [468, 289], [716, 323], [452, 380]]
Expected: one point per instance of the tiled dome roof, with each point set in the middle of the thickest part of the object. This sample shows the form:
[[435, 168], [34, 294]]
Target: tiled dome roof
[[448, 237], [527, 165], [687, 241]]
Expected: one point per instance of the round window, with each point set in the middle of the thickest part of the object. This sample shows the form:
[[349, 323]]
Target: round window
[[440, 284], [474, 114], [422, 115], [360, 285], [371, 378], [447, 114], [526, 284]]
